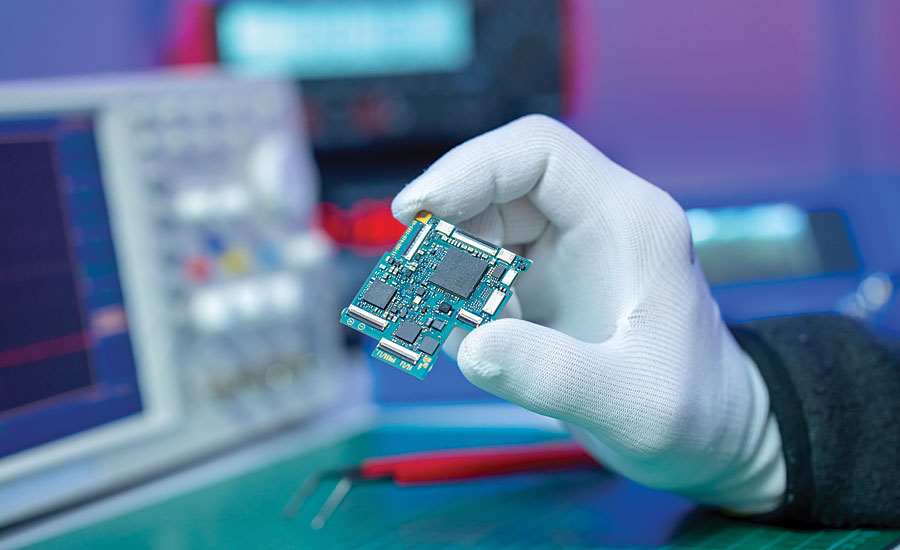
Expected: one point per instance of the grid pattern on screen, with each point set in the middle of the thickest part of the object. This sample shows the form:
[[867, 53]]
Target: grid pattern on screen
[[66, 360]]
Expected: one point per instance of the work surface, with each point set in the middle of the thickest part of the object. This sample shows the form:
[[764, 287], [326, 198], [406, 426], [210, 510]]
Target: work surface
[[560, 510]]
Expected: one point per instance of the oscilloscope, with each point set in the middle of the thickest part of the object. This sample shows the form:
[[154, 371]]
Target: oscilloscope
[[158, 278]]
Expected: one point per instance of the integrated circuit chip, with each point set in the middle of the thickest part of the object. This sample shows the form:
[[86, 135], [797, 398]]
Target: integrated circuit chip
[[458, 272], [408, 332], [379, 294], [428, 345], [437, 277]]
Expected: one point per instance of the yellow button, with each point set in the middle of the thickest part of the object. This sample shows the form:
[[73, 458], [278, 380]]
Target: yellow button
[[236, 261]]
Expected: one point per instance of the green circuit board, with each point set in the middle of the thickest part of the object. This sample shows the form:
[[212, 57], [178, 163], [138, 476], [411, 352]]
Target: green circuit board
[[436, 277]]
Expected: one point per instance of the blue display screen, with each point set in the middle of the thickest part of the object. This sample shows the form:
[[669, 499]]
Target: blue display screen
[[348, 38], [767, 242], [66, 361]]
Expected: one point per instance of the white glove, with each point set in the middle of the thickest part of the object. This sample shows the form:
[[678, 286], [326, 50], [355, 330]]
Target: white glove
[[623, 340]]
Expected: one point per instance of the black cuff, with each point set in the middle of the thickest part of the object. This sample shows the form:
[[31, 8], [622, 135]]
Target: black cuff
[[835, 391], [785, 403]]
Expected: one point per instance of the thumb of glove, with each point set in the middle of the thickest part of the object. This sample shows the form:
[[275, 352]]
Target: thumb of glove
[[635, 411], [530, 365]]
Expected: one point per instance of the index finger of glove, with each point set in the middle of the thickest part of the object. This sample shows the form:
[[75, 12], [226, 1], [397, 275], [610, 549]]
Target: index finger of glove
[[535, 156]]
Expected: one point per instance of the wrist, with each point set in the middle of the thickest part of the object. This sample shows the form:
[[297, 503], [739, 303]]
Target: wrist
[[742, 441], [754, 481]]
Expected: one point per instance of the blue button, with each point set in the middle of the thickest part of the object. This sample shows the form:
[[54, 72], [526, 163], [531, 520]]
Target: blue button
[[268, 256], [214, 243]]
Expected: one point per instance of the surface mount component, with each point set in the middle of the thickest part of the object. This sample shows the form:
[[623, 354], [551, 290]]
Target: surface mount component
[[436, 277]]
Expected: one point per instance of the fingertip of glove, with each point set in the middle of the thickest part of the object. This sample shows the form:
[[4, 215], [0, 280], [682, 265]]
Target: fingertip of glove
[[478, 370], [419, 194], [405, 205], [481, 352]]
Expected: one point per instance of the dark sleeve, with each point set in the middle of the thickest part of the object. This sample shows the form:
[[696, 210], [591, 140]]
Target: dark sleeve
[[835, 391]]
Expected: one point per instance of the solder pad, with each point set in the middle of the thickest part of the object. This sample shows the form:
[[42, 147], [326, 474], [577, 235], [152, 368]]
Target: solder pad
[[436, 277]]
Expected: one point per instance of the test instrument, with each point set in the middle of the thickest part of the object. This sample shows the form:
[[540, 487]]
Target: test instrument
[[158, 302]]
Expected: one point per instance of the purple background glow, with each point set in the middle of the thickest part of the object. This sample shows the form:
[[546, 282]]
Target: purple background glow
[[698, 96]]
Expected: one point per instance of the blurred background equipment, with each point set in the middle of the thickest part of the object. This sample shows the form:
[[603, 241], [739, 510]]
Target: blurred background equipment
[[162, 274], [391, 85], [401, 73], [161, 292]]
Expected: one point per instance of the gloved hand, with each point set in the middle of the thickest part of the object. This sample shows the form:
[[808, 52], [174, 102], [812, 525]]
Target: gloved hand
[[621, 338]]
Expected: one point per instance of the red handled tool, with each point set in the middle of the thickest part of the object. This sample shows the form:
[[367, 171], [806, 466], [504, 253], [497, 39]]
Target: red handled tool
[[443, 466]]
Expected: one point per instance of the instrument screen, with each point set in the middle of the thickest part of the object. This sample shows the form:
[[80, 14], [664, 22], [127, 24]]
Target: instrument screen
[[66, 360]]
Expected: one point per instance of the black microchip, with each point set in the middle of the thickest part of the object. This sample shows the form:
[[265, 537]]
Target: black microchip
[[420, 292], [498, 272], [444, 307], [379, 294], [428, 345], [408, 331], [458, 272], [438, 325]]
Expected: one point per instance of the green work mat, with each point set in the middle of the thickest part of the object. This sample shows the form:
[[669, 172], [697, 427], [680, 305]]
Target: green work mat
[[556, 510]]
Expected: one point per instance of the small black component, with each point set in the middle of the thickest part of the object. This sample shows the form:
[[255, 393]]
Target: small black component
[[394, 311], [424, 309], [428, 345], [420, 292], [458, 272], [403, 313], [428, 323], [379, 294], [444, 307], [408, 331], [389, 260], [407, 273], [432, 251], [497, 272], [438, 325]]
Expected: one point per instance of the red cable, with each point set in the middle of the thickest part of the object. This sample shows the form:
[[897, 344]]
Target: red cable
[[462, 464]]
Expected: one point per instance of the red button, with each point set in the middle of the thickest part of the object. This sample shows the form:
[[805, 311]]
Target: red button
[[198, 268]]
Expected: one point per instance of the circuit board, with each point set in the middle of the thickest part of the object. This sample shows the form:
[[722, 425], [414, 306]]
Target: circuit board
[[436, 277]]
